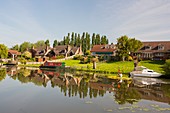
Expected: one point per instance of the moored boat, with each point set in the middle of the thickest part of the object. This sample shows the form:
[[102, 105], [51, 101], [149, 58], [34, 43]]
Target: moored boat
[[52, 65], [145, 73]]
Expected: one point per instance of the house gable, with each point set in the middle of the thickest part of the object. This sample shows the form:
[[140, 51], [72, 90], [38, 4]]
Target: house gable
[[103, 49], [155, 50]]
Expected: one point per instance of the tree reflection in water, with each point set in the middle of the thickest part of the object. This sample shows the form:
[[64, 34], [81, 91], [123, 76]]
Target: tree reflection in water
[[2, 74], [84, 85]]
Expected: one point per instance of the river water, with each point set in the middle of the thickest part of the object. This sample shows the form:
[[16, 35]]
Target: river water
[[39, 91]]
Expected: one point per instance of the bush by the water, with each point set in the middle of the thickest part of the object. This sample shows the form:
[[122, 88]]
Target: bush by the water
[[166, 67], [77, 57], [130, 58], [88, 59]]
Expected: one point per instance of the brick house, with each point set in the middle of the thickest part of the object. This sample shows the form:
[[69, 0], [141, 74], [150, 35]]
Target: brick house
[[40, 53], [13, 54], [108, 52], [64, 50], [156, 50]]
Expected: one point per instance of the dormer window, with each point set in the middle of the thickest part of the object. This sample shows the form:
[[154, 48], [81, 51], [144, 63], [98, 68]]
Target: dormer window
[[148, 47], [103, 47], [160, 47]]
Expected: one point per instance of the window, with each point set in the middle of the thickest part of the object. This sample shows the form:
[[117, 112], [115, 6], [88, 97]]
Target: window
[[148, 47], [160, 47], [159, 54]]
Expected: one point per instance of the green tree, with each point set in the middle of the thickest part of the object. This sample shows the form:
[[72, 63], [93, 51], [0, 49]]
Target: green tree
[[107, 41], [97, 41], [27, 54], [40, 44], [75, 40], [122, 45], [55, 43], [72, 39], [127, 45], [87, 41], [93, 39], [134, 45], [24, 46], [78, 40], [3, 51], [2, 74], [64, 40], [15, 47], [83, 42], [166, 67], [103, 40], [67, 42], [47, 42]]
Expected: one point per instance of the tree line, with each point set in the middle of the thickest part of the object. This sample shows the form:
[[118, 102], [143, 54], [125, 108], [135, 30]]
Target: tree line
[[74, 39], [125, 45], [85, 40]]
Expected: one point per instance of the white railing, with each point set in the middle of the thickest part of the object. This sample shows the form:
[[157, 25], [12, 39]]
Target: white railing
[[57, 60], [34, 62]]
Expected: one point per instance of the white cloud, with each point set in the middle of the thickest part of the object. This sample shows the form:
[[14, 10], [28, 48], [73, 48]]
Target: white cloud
[[141, 18]]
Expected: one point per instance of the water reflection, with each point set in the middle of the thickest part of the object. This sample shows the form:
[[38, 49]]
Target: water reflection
[[91, 85]]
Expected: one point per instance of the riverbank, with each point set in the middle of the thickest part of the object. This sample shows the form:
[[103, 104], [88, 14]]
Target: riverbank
[[110, 67]]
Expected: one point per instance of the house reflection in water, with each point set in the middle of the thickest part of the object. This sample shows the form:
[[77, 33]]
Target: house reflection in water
[[84, 85]]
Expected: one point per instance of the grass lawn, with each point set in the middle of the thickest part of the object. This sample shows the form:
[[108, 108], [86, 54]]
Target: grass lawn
[[113, 67], [154, 65], [29, 65]]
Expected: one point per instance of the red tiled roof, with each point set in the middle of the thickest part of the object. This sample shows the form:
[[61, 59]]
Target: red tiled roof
[[14, 52], [103, 48], [154, 46]]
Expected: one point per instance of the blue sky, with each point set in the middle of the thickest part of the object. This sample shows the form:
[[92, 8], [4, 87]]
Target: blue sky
[[33, 20]]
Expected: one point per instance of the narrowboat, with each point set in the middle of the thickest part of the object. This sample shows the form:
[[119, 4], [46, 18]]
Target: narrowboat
[[52, 65]]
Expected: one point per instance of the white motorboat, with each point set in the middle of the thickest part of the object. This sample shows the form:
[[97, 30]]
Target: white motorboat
[[145, 73]]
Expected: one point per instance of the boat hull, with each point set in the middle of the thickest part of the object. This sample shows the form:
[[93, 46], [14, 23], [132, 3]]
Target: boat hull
[[145, 75], [51, 67]]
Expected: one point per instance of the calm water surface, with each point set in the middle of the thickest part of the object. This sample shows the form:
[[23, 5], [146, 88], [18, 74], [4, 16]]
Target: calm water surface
[[37, 91]]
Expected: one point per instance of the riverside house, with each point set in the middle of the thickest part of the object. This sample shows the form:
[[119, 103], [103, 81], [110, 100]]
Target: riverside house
[[108, 52], [13, 54], [40, 53], [65, 51], [156, 50]]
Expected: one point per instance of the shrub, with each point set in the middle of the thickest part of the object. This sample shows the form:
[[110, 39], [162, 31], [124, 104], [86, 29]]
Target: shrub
[[60, 57], [130, 58], [84, 60], [166, 67], [77, 57], [101, 58], [87, 52], [23, 60]]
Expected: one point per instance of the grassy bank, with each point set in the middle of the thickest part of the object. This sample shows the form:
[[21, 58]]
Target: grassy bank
[[111, 67], [154, 65], [29, 65]]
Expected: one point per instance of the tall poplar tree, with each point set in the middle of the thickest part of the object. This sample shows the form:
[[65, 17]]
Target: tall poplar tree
[[72, 39], [67, 41], [47, 42], [93, 39], [55, 43], [97, 41], [78, 40], [64, 40], [87, 41], [83, 42]]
